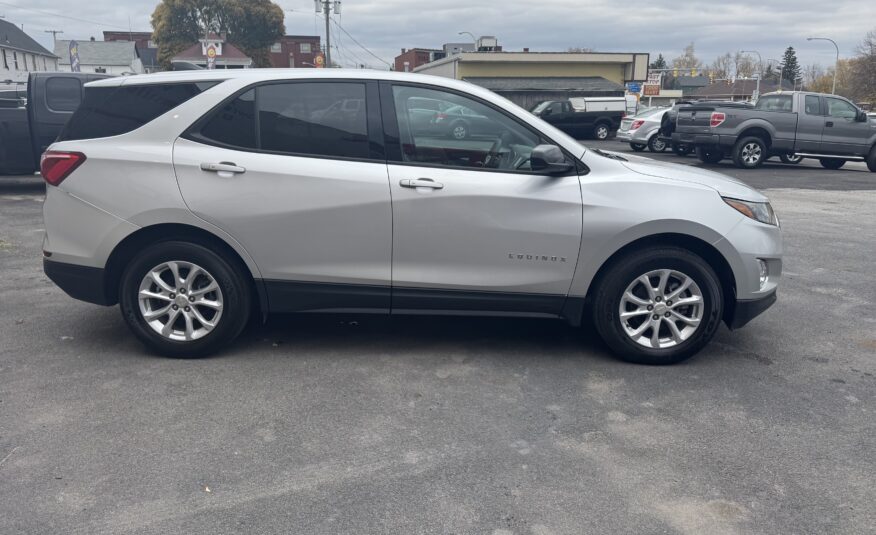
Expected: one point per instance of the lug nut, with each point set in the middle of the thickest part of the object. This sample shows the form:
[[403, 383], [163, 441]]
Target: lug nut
[[175, 307], [650, 307], [669, 303], [655, 316], [192, 298], [187, 309], [658, 299], [182, 290], [667, 314], [172, 295]]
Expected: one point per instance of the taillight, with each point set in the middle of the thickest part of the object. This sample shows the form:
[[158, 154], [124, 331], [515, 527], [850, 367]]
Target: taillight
[[637, 124], [716, 119], [56, 165], [440, 116]]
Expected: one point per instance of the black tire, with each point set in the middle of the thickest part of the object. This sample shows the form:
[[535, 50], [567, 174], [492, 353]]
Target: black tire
[[749, 152], [655, 144], [234, 287], [709, 155], [601, 131], [832, 163], [638, 147], [459, 130], [680, 149], [611, 286], [871, 160], [791, 159]]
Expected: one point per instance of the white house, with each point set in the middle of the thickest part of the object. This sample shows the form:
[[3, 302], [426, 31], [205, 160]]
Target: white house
[[110, 57], [20, 54]]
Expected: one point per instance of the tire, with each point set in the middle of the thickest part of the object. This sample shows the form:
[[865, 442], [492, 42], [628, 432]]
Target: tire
[[832, 163], [622, 276], [232, 294], [459, 130], [638, 147], [680, 149], [601, 131], [871, 160], [749, 152], [709, 155], [655, 144], [791, 159]]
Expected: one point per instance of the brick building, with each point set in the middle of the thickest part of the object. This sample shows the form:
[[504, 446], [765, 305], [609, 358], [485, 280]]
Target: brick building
[[293, 51], [411, 58]]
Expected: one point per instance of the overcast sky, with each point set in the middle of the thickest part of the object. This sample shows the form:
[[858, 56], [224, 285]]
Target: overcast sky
[[653, 26]]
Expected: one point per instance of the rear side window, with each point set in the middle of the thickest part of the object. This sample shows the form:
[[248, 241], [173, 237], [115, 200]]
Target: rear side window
[[775, 103], [813, 105], [301, 118], [63, 94], [112, 111]]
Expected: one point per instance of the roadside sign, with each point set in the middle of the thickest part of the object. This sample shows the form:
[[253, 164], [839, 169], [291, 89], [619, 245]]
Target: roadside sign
[[319, 61], [211, 57], [634, 87], [651, 90], [74, 57]]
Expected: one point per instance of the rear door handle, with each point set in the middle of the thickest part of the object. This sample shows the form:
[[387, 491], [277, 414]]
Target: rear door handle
[[420, 183], [222, 167], [829, 124]]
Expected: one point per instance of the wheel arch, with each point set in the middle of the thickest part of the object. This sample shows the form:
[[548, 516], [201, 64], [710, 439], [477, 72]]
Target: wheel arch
[[150, 235], [758, 131]]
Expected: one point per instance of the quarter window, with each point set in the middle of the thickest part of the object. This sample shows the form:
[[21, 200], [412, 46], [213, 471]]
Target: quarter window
[[63, 94], [775, 103], [461, 132], [234, 123], [840, 108]]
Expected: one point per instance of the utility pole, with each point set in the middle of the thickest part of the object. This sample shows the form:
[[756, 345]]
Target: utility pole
[[325, 7], [759, 70], [54, 35], [835, 65]]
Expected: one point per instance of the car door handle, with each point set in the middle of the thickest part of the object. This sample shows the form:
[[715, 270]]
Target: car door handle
[[222, 167], [420, 183], [829, 124]]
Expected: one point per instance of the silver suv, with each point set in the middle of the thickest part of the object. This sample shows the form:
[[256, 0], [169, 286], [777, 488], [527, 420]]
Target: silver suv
[[196, 199]]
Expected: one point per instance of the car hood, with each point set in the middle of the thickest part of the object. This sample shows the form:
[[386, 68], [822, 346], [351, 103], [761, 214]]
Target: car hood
[[726, 186]]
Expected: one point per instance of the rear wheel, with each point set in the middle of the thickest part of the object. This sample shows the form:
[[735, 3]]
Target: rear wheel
[[749, 152], [459, 130], [832, 163], [709, 155], [792, 159], [680, 149], [601, 131], [659, 305], [184, 300], [655, 144], [871, 160], [638, 147]]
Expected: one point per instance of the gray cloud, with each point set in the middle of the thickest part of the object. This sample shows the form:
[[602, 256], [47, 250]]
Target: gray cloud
[[655, 26]]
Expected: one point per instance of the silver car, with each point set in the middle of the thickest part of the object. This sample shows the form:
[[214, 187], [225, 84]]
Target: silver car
[[197, 199], [641, 131]]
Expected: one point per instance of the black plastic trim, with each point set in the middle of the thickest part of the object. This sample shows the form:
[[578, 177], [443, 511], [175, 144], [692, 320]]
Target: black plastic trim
[[747, 310], [289, 296], [437, 299], [79, 282]]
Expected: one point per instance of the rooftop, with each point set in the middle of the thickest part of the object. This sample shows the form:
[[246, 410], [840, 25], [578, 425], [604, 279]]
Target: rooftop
[[11, 36], [548, 83]]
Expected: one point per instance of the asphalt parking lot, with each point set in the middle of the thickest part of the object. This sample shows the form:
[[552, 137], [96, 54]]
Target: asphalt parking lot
[[326, 424]]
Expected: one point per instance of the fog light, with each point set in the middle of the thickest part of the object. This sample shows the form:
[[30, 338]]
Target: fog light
[[764, 272]]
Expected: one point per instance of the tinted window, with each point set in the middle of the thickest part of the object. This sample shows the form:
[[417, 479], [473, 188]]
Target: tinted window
[[813, 105], [111, 111], [234, 123], [63, 94], [323, 119], [840, 108], [465, 134], [775, 103]]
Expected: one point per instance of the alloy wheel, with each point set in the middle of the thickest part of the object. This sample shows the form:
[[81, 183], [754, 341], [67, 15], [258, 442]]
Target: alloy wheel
[[601, 132], [751, 153], [180, 300], [459, 132], [661, 309]]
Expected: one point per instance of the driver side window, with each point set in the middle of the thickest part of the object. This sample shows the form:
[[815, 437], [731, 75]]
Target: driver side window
[[459, 132]]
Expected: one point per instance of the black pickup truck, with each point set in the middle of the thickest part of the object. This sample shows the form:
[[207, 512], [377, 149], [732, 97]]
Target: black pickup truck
[[589, 118], [31, 118]]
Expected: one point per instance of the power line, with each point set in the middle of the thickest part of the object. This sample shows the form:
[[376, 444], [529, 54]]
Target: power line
[[49, 13], [361, 45]]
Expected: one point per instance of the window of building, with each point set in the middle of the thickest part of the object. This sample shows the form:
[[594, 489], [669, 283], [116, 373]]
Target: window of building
[[112, 111], [464, 133], [276, 48], [151, 44], [304, 48], [5, 60], [15, 60], [33, 62], [45, 65]]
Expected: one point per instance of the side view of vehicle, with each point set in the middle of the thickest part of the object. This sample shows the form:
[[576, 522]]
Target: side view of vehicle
[[196, 199], [791, 125], [642, 131], [580, 118], [29, 125]]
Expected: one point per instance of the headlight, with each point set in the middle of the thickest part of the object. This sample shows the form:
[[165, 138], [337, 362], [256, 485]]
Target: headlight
[[759, 211]]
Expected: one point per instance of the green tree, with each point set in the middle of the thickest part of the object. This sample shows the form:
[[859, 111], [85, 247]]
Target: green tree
[[659, 63], [790, 68], [251, 25]]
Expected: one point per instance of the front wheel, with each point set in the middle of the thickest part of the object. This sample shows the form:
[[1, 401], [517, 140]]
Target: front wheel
[[832, 163], [871, 160], [459, 130], [637, 147], [792, 159], [659, 305], [680, 149], [184, 300], [601, 132], [709, 155]]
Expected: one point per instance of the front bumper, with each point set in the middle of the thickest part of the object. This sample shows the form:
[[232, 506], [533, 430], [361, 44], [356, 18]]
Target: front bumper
[[746, 310], [79, 282]]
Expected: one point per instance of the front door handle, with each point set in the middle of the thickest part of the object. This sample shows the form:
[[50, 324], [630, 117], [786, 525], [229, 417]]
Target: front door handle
[[829, 124], [420, 183], [222, 167]]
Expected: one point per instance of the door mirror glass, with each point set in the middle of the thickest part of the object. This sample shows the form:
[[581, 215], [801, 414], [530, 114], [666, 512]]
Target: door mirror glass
[[549, 159], [862, 117]]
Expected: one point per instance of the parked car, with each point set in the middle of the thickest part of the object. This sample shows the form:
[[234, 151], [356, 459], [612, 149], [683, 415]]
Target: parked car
[[29, 124], [197, 199], [643, 130], [791, 125], [577, 120]]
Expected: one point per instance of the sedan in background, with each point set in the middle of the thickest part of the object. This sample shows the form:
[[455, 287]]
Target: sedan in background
[[642, 131]]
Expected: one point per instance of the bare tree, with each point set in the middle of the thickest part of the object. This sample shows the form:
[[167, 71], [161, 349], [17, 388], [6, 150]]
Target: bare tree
[[722, 66], [688, 60], [811, 73]]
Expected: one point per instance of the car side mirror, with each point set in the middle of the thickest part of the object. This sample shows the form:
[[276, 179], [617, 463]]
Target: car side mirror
[[549, 159], [546, 112], [862, 117]]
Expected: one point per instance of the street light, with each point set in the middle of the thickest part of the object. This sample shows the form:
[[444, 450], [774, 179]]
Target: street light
[[835, 65], [473, 38], [759, 68]]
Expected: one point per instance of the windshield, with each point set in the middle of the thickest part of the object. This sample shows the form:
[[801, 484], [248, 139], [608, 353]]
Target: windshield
[[541, 106]]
